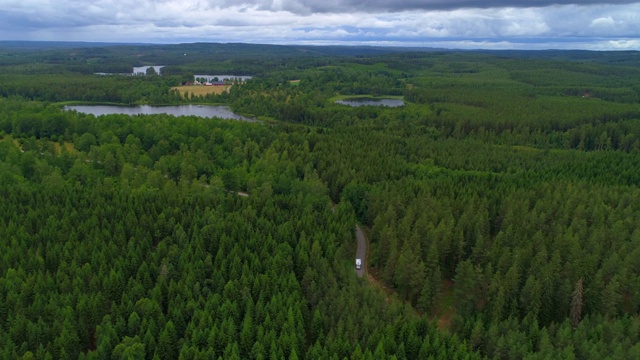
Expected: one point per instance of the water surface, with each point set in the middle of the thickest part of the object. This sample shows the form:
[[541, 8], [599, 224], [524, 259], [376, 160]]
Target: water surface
[[207, 111], [366, 101]]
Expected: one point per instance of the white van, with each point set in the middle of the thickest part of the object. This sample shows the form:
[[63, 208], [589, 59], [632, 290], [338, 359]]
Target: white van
[[358, 264]]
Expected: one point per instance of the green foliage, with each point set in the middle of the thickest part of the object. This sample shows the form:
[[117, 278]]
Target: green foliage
[[109, 256], [502, 201]]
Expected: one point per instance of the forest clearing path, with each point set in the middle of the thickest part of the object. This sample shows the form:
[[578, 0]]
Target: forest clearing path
[[362, 239], [361, 251], [444, 313]]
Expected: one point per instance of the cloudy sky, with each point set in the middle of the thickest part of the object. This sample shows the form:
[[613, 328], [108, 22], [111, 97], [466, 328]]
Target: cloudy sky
[[477, 24]]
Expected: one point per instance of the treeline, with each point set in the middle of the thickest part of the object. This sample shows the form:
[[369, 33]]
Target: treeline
[[92, 88], [569, 111]]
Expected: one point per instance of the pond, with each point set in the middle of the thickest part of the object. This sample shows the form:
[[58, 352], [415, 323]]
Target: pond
[[364, 101], [207, 111]]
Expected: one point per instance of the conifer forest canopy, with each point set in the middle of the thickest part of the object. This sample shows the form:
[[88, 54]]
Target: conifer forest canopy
[[501, 204]]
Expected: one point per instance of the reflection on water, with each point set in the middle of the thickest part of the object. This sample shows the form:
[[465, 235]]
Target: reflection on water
[[371, 101], [180, 110]]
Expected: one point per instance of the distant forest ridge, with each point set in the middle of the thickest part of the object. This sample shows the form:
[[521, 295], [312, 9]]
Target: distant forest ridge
[[626, 57]]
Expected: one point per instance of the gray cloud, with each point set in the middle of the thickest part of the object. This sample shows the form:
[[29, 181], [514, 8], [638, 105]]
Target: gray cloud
[[338, 6], [455, 23]]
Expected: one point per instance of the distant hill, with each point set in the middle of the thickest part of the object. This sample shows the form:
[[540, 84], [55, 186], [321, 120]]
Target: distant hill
[[88, 57], [218, 48]]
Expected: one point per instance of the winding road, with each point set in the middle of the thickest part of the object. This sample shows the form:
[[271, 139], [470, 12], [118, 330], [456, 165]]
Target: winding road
[[361, 251]]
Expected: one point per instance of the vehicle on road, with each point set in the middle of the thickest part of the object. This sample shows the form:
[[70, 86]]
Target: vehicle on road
[[358, 264]]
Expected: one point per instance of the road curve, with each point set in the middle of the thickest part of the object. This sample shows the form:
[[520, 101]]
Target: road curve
[[361, 251]]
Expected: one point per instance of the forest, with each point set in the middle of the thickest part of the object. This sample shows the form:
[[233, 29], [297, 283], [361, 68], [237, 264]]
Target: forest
[[501, 204]]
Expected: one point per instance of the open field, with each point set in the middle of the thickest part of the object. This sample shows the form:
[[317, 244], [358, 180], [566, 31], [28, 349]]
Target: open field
[[200, 89]]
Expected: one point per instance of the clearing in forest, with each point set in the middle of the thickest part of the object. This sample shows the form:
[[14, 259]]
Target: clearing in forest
[[57, 147], [444, 311], [68, 146], [200, 89]]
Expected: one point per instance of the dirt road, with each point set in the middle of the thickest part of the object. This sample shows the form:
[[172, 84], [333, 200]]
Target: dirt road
[[361, 252]]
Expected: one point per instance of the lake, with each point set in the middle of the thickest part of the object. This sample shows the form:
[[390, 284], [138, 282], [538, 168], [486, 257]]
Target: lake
[[142, 70], [364, 101], [207, 111]]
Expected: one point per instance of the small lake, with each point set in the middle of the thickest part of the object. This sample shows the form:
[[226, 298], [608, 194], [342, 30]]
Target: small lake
[[365, 101], [207, 111]]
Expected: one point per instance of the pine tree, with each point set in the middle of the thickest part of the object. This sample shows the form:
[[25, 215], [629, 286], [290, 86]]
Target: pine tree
[[168, 347]]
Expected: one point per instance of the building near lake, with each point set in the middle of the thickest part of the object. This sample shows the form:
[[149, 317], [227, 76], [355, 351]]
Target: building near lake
[[220, 78]]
